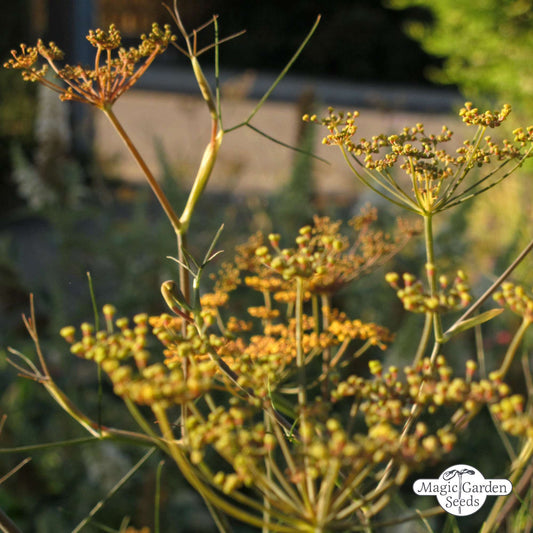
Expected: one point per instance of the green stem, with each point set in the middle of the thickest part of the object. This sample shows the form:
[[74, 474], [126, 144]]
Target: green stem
[[268, 474], [291, 466], [430, 270], [284, 144], [48, 445], [302, 382], [513, 347], [424, 339], [181, 461], [143, 424], [291, 498], [300, 363], [184, 273], [185, 290], [366, 500], [461, 172], [430, 252], [100, 393], [326, 353], [280, 76], [349, 487], [64, 401], [402, 200], [418, 515], [157, 499], [160, 195], [205, 88], [202, 176], [326, 490], [494, 519]]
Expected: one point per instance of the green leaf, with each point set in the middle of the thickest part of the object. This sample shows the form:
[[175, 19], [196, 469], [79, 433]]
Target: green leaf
[[470, 323], [209, 254]]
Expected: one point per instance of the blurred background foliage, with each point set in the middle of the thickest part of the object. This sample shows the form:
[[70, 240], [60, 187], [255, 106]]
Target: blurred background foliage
[[61, 216], [486, 46]]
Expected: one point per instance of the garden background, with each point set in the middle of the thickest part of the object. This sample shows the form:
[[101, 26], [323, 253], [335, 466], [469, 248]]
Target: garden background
[[72, 201]]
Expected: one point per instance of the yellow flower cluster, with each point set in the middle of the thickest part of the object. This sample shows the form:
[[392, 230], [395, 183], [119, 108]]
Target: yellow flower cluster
[[510, 414], [342, 328], [437, 176], [142, 382], [390, 397], [516, 298], [449, 297], [472, 116], [234, 435], [322, 256]]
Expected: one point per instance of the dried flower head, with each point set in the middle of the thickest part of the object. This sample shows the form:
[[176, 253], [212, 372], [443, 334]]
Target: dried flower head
[[116, 69], [322, 255]]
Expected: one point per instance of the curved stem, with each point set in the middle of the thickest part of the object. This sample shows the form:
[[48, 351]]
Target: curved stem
[[513, 346], [424, 339], [402, 200], [189, 474], [493, 521], [462, 171], [202, 176]]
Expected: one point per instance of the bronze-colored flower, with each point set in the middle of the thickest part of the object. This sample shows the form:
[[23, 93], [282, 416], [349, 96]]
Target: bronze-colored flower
[[112, 73]]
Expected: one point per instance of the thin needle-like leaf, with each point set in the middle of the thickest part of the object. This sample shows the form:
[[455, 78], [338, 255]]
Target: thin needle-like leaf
[[100, 393], [14, 470], [181, 264], [49, 445], [209, 252], [157, 502], [218, 102], [114, 490], [24, 372], [7, 525], [25, 359], [93, 302], [286, 145], [224, 40], [216, 254], [282, 74], [477, 304]]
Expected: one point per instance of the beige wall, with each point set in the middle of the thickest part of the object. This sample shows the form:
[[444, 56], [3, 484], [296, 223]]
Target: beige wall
[[248, 163]]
